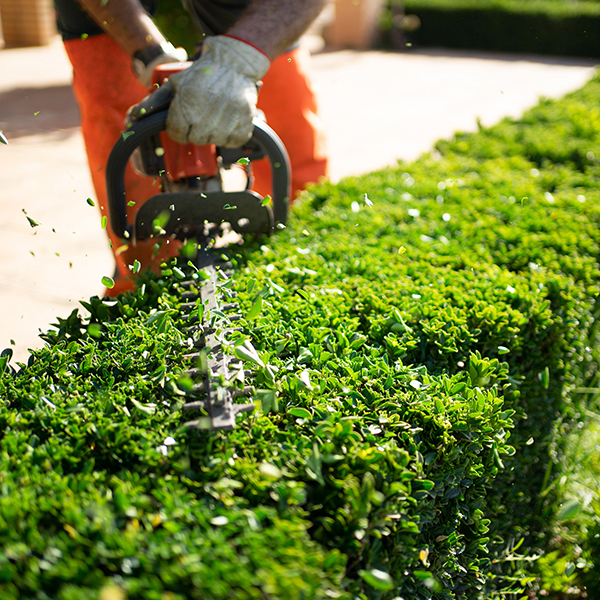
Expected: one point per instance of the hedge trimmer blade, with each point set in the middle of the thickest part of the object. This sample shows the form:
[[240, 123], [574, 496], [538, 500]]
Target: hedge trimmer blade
[[193, 207], [222, 374]]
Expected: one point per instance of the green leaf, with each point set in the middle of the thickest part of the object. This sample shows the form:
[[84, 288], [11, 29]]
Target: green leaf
[[95, 330], [270, 471], [314, 465], [304, 379], [301, 413], [305, 356], [103, 222], [108, 282], [244, 161], [202, 362], [255, 310], [189, 249], [160, 222], [200, 310], [32, 222], [380, 580], [457, 388], [148, 409], [3, 139], [185, 383], [247, 352], [544, 377], [424, 484], [433, 584], [90, 202], [568, 510], [268, 400], [5, 357]]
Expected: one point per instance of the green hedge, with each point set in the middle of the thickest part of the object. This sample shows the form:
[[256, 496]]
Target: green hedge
[[538, 27], [426, 343]]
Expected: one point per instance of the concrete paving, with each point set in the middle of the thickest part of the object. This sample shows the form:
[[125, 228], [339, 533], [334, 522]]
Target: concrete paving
[[378, 107]]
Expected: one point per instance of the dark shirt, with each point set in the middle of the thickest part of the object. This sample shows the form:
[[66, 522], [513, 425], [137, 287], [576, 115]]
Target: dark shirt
[[212, 17]]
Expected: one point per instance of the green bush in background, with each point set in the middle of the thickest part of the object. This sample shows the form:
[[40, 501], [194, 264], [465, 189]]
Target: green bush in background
[[534, 26], [425, 359], [177, 25]]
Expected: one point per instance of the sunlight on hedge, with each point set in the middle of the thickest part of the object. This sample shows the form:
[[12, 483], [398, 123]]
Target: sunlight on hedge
[[419, 339]]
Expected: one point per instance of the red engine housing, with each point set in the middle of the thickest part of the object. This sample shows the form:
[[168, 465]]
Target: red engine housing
[[183, 161]]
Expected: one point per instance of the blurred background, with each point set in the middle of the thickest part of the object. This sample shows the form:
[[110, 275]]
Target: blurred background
[[553, 27], [391, 78]]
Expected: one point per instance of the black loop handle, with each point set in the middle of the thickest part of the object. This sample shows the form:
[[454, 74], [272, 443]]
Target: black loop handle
[[153, 124]]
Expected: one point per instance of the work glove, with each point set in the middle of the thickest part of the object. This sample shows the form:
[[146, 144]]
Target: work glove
[[166, 53], [214, 100]]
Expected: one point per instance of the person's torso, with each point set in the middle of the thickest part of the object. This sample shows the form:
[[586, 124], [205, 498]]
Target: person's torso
[[213, 17], [216, 16]]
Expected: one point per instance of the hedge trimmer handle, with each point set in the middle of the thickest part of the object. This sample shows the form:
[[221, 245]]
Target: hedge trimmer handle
[[263, 137]]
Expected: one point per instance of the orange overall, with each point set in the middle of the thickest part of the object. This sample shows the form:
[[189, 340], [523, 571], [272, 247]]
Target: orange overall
[[105, 87]]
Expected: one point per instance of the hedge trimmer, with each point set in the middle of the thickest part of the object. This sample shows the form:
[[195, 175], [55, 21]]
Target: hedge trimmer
[[192, 205]]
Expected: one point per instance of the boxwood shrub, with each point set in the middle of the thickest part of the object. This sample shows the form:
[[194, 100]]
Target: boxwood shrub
[[532, 26], [422, 343]]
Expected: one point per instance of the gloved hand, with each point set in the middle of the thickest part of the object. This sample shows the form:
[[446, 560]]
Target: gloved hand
[[170, 55], [214, 100]]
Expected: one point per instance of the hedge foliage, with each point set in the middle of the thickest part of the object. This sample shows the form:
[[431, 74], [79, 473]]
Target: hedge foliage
[[426, 345], [532, 26]]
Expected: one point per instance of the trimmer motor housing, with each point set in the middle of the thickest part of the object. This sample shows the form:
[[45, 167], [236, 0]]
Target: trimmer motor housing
[[160, 156], [192, 196]]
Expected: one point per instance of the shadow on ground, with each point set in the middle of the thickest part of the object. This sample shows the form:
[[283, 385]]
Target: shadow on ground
[[33, 111], [542, 59]]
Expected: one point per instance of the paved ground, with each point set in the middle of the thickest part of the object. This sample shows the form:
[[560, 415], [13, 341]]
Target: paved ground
[[378, 107]]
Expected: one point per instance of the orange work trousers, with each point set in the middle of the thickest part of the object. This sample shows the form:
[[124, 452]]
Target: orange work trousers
[[105, 87]]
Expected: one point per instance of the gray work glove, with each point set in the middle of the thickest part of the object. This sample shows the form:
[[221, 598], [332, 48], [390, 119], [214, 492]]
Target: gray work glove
[[214, 100]]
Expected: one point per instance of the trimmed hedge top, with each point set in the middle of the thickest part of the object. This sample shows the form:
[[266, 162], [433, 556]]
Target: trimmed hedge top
[[422, 336]]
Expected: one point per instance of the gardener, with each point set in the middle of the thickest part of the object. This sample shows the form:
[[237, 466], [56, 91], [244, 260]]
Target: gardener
[[114, 46]]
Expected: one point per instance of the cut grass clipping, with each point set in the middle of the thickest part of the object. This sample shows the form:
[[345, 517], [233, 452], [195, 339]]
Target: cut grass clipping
[[422, 343]]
